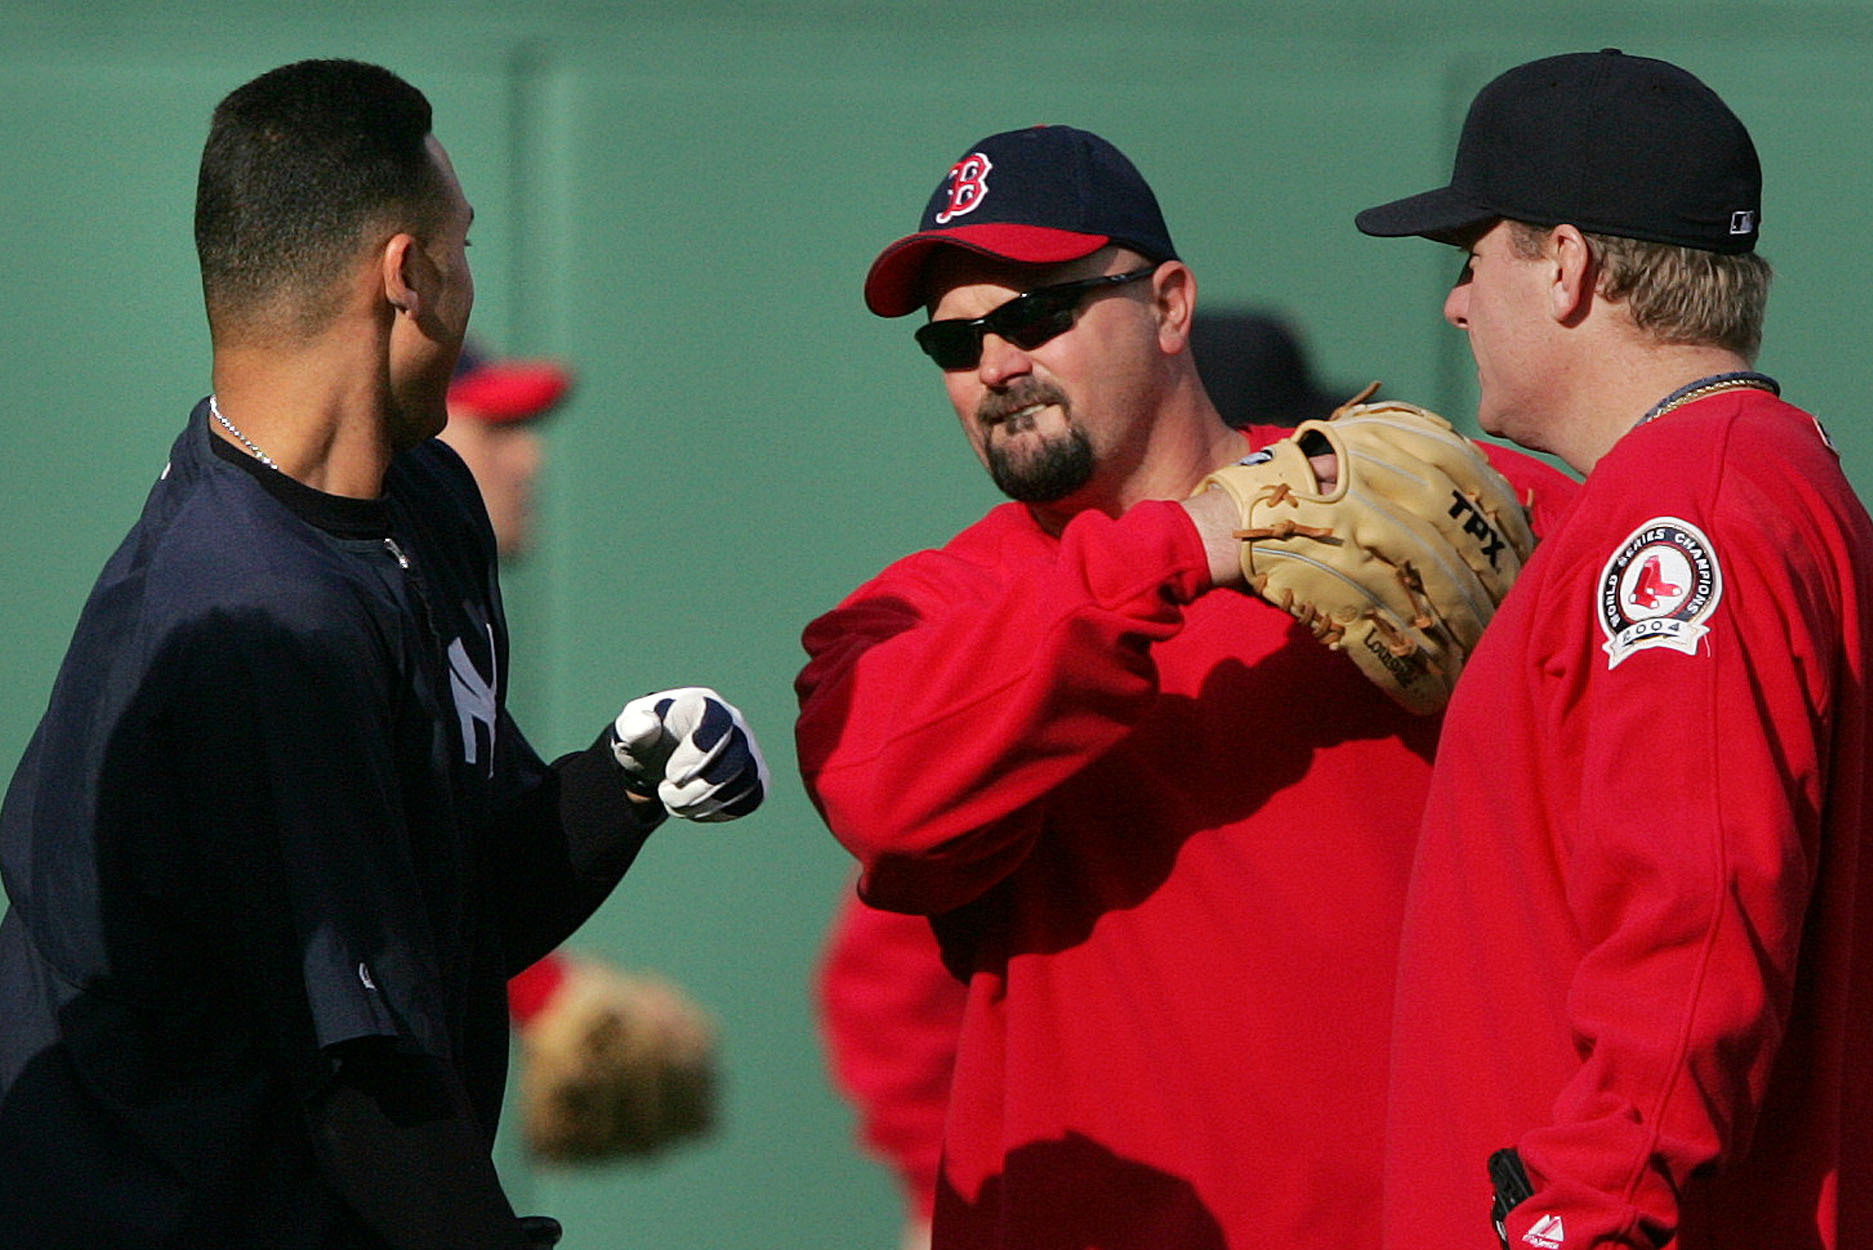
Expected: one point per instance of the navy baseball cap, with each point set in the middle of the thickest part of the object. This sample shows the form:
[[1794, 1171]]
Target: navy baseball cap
[[499, 390], [1039, 196], [1613, 144]]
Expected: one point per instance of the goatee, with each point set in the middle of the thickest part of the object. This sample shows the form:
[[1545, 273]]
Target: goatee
[[1052, 470], [1036, 468]]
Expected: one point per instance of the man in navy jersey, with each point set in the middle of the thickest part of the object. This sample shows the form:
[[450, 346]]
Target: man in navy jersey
[[277, 845]]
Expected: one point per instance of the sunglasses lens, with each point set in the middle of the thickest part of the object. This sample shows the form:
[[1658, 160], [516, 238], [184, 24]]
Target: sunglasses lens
[[952, 344], [1043, 322]]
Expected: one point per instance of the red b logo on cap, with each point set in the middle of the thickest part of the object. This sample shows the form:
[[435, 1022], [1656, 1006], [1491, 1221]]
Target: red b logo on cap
[[968, 186]]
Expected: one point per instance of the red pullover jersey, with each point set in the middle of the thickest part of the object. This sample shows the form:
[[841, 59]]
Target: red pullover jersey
[[1165, 836], [1639, 945]]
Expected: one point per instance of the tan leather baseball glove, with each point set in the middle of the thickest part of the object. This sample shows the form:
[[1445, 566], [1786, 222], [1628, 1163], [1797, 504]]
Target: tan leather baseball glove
[[1402, 560]]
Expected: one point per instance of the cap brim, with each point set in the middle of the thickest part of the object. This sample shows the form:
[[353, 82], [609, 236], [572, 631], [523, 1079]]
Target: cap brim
[[894, 287], [1441, 214], [510, 390]]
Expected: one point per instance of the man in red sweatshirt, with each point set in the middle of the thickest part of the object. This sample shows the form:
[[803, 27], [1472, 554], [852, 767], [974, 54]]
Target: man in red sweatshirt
[[1138, 806], [1636, 955]]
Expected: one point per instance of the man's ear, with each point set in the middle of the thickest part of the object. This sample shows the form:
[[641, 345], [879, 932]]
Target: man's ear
[[1174, 298], [406, 274], [1574, 275]]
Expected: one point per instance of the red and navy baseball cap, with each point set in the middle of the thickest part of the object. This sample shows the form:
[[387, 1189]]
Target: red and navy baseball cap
[[1039, 196], [502, 390], [1613, 144]]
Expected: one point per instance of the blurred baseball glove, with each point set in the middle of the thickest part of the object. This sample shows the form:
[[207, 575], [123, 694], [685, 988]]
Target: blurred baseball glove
[[1402, 561], [614, 1064]]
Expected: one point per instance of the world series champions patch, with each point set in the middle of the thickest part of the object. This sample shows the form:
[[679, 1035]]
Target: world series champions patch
[[1659, 588]]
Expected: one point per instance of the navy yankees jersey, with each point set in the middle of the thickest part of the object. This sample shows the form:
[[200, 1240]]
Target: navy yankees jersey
[[275, 804]]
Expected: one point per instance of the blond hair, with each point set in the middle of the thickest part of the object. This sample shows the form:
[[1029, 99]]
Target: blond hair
[[1675, 294]]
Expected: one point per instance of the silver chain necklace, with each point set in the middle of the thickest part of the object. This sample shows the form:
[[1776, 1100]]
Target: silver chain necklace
[[214, 410]]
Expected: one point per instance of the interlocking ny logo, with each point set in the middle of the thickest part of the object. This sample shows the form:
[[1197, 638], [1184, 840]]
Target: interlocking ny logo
[[474, 700]]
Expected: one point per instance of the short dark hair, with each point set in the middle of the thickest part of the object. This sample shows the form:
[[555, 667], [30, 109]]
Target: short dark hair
[[299, 165]]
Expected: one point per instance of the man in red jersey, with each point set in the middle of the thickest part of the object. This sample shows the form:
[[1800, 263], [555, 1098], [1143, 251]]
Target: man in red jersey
[[888, 1009], [1053, 737], [1634, 982]]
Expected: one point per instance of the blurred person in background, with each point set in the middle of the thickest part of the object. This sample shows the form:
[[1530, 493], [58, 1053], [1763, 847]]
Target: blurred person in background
[[614, 1064], [1257, 370]]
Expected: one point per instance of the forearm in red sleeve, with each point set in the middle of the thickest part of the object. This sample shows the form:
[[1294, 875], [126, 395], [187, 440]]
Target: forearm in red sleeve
[[940, 705], [1689, 877], [890, 1015]]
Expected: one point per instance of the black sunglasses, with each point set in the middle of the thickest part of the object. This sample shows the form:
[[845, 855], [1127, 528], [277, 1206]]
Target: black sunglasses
[[1027, 320]]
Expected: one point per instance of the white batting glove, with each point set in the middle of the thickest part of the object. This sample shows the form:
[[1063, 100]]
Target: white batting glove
[[692, 749]]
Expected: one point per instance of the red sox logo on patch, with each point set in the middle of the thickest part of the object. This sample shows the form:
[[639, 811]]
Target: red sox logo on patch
[[969, 186], [1659, 588]]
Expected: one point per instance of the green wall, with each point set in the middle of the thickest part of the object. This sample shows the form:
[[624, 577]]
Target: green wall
[[681, 199]]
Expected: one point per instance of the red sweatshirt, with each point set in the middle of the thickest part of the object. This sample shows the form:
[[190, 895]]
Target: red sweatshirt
[[1639, 946], [1165, 836]]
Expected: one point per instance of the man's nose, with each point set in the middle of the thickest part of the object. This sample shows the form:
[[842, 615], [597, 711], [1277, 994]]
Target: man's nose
[[1001, 360]]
